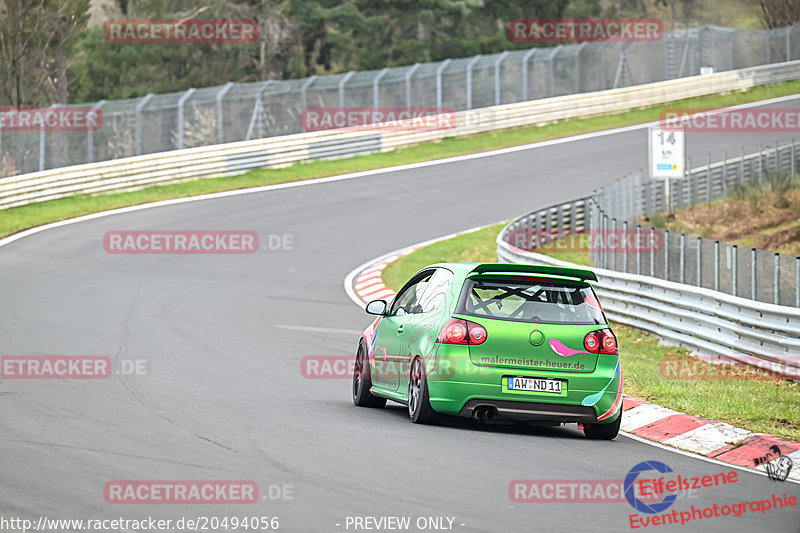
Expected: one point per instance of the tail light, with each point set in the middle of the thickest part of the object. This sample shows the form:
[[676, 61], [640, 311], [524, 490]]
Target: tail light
[[601, 341], [459, 331]]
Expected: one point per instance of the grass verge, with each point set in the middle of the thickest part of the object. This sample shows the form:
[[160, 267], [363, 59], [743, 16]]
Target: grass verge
[[20, 218], [752, 400]]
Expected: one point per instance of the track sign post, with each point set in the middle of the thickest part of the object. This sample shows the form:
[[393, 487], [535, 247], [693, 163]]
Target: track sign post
[[667, 151]]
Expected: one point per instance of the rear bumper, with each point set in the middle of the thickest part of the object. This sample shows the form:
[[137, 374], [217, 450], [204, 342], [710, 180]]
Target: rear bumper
[[545, 412], [460, 388]]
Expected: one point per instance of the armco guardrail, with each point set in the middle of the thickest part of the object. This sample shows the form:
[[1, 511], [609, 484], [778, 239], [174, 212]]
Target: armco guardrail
[[712, 324], [233, 158]]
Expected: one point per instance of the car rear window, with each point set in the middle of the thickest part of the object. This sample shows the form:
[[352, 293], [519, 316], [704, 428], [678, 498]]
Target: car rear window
[[535, 302]]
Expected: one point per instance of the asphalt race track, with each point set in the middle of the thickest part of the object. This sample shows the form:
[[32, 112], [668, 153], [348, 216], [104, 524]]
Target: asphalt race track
[[219, 338]]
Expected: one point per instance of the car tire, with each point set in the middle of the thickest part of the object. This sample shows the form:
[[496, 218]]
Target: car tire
[[419, 405], [362, 382], [603, 431]]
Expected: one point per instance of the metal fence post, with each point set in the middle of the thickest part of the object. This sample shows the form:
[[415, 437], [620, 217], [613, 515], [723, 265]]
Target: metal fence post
[[342, 83], [724, 175], [257, 106], [181, 101], [407, 80], [497, 77], [578, 50], [304, 92], [439, 70], [652, 254], [220, 124], [735, 269], [716, 265], [750, 48], [375, 85], [797, 282], [138, 111], [89, 136], [623, 249], [788, 43], [730, 48], [752, 273], [699, 242], [760, 164], [551, 60], [638, 250], [470, 63], [708, 179], [792, 165], [682, 258], [776, 279], [42, 141], [525, 59], [666, 255], [741, 169]]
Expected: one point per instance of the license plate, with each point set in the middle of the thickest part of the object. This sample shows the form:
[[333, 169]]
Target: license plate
[[535, 385]]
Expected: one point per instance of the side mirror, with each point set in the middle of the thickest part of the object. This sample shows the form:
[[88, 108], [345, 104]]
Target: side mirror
[[376, 307]]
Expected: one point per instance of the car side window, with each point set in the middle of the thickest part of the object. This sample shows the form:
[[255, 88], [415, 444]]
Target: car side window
[[435, 290], [407, 302]]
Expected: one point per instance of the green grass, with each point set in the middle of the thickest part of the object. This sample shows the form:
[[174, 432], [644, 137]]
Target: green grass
[[756, 401], [19, 218]]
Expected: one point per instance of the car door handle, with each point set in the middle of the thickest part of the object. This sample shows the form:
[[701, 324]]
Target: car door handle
[[399, 330]]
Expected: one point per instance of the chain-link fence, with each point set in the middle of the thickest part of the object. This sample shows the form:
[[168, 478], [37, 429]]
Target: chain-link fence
[[243, 111], [747, 272]]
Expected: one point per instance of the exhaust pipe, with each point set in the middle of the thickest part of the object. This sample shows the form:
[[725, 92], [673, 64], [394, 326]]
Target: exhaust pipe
[[484, 413]]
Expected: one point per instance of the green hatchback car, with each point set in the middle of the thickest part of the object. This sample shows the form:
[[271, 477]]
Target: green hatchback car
[[494, 340]]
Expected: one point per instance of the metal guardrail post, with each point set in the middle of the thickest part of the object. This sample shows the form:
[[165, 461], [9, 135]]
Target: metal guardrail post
[[407, 80], [220, 124], [181, 101], [90, 135], [525, 59], [304, 92], [138, 112], [375, 85], [776, 279], [470, 63], [439, 70], [497, 77], [716, 265], [752, 273], [342, 83]]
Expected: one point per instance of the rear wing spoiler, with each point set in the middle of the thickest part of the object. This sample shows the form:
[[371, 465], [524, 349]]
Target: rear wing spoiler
[[517, 268]]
